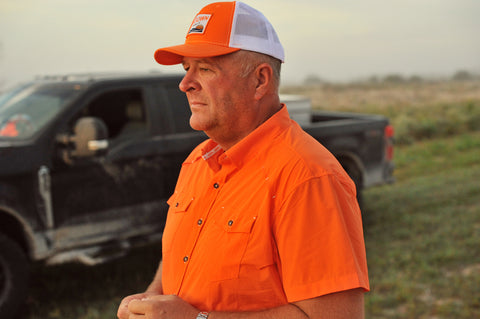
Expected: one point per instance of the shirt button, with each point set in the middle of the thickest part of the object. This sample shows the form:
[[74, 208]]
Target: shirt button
[[216, 185], [185, 259], [230, 222], [199, 222]]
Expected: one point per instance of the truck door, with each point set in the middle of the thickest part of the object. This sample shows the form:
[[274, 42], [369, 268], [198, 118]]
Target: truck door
[[119, 195]]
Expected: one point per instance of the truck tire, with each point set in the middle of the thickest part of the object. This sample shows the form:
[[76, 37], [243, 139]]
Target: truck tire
[[13, 277]]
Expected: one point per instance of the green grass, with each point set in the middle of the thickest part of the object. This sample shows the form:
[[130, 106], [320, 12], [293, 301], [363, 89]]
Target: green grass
[[423, 233]]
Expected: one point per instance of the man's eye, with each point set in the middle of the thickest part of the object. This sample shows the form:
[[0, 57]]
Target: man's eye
[[204, 69]]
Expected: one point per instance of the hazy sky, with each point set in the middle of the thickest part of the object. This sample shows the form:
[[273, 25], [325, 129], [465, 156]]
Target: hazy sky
[[337, 40]]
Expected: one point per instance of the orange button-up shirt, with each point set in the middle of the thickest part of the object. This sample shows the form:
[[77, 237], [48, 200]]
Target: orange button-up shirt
[[272, 220]]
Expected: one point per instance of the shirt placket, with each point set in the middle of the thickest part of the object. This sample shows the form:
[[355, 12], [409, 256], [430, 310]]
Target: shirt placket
[[210, 196]]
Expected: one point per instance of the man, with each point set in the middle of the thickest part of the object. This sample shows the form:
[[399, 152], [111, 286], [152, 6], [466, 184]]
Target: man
[[263, 222]]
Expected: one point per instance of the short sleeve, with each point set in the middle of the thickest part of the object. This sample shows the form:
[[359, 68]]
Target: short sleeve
[[319, 234]]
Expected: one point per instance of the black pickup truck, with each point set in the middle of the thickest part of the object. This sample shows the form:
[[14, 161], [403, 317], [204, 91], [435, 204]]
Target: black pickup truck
[[87, 163]]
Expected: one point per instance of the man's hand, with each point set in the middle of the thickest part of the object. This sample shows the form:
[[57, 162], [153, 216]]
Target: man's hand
[[123, 312], [159, 307], [345, 304]]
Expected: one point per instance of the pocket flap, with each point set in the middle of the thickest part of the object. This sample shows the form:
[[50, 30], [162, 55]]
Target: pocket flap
[[236, 223], [180, 202]]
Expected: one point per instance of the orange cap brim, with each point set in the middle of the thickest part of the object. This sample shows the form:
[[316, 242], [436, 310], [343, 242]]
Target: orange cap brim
[[175, 54]]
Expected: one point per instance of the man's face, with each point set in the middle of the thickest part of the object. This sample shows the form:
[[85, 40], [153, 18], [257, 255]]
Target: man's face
[[220, 99]]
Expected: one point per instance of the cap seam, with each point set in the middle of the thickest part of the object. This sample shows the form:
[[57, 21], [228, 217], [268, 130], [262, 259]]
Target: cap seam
[[234, 22]]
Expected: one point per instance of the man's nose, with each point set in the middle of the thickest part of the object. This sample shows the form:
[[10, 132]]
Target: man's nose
[[188, 83]]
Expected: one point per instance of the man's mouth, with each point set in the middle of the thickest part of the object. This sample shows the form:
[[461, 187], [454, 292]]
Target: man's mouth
[[196, 104]]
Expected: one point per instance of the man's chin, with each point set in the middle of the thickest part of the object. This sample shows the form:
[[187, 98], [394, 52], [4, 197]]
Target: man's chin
[[197, 125]]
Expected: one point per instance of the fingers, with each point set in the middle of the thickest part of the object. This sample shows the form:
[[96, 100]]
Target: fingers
[[161, 306], [152, 304], [137, 306], [123, 312]]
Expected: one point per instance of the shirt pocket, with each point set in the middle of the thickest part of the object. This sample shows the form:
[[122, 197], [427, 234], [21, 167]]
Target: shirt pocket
[[230, 237], [179, 206]]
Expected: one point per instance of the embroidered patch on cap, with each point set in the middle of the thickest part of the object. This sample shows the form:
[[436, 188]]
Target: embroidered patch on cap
[[199, 23]]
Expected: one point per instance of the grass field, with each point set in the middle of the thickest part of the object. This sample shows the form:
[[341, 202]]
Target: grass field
[[422, 234], [417, 110]]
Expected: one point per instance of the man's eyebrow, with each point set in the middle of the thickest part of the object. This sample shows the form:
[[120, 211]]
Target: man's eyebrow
[[208, 61]]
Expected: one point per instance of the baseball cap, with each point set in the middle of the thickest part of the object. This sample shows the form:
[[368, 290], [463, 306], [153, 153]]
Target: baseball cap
[[221, 28]]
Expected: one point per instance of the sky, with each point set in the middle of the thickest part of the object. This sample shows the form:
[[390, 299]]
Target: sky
[[335, 40]]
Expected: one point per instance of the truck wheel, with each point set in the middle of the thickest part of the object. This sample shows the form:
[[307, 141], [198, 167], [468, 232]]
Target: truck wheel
[[13, 277]]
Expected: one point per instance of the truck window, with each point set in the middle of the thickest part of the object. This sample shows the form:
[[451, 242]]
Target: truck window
[[28, 108], [123, 112]]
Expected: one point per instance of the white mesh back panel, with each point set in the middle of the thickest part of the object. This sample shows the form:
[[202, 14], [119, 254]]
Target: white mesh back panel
[[249, 32]]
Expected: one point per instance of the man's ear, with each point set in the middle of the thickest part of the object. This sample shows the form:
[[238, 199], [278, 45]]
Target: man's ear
[[263, 78]]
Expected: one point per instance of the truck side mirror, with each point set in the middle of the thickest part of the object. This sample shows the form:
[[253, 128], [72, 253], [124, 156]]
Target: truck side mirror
[[90, 137]]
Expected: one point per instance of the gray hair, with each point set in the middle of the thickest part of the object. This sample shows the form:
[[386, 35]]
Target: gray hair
[[250, 60]]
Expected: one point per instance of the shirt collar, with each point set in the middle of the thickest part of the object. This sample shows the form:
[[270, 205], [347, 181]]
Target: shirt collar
[[248, 147], [260, 138]]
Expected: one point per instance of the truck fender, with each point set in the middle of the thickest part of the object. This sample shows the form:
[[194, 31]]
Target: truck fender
[[353, 165], [14, 226], [344, 150]]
